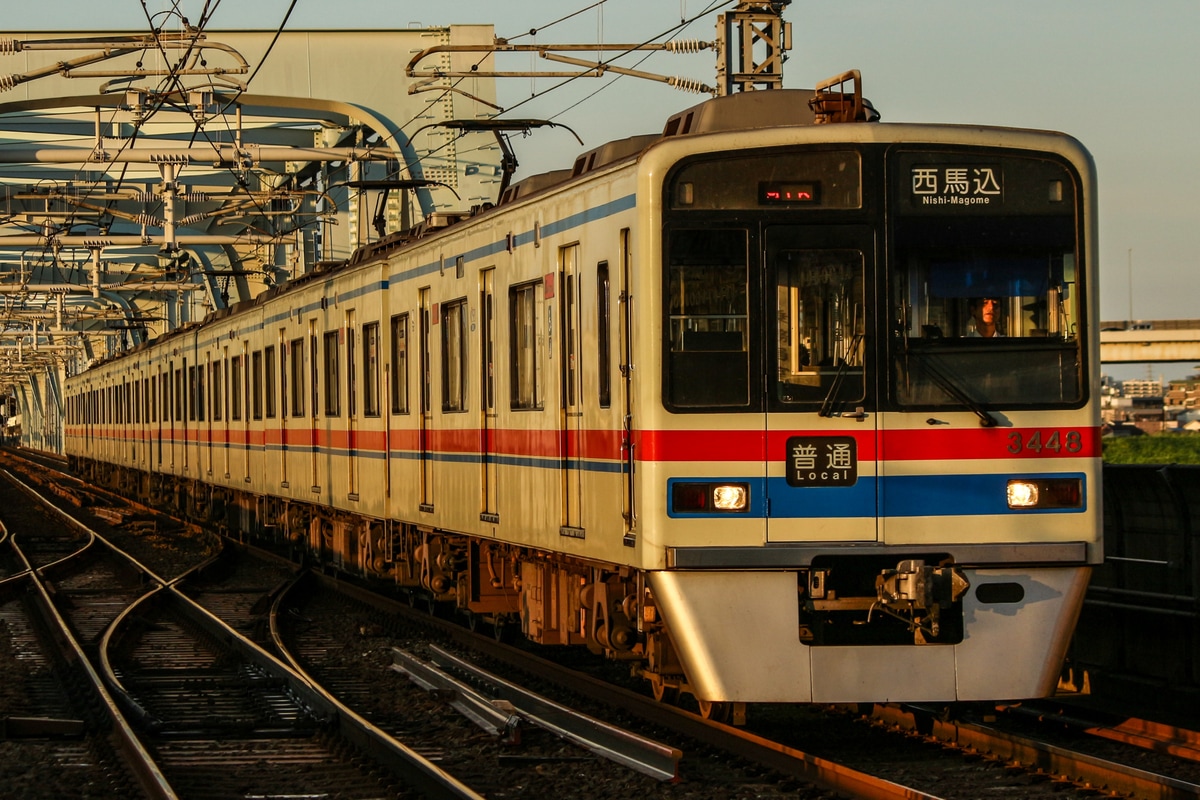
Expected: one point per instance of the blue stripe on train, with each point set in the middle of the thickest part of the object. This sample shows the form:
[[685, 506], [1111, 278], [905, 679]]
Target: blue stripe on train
[[898, 496]]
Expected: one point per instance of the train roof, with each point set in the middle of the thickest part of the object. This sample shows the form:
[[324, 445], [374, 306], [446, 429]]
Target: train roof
[[741, 111]]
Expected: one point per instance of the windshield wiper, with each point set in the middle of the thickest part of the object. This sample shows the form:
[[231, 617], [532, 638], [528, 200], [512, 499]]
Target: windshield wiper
[[836, 385], [948, 385]]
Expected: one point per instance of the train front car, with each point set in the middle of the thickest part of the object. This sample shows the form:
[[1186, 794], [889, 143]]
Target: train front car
[[873, 469]]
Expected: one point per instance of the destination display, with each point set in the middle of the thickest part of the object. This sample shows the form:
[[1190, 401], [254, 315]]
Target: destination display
[[956, 185]]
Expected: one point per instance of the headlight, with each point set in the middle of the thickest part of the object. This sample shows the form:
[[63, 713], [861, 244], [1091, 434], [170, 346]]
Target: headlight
[[1022, 494], [729, 497], [1045, 493], [709, 498]]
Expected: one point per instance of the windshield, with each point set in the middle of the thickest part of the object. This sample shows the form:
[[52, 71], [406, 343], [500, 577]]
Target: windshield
[[958, 284], [986, 297]]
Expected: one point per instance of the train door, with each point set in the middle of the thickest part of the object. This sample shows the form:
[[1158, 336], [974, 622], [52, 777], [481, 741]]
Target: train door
[[178, 429], [628, 505], [314, 408], [571, 420], [244, 376], [351, 404], [213, 387], [192, 461], [821, 420], [160, 414], [426, 399], [184, 388], [279, 395], [137, 452], [221, 396], [487, 401]]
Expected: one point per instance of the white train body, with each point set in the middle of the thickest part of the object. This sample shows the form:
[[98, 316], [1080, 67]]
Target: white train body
[[712, 404]]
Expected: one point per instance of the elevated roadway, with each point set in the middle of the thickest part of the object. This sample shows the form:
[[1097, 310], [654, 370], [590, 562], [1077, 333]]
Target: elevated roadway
[[1143, 341]]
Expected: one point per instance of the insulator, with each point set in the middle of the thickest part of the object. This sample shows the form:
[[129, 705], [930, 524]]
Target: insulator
[[9, 46], [689, 85], [146, 197], [193, 218], [687, 46], [8, 82], [195, 197], [148, 219]]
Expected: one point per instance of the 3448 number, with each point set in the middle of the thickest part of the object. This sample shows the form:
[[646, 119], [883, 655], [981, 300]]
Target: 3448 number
[[1037, 441]]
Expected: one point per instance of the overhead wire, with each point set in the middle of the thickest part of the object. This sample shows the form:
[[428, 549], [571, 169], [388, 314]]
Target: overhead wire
[[535, 31], [169, 80], [169, 83], [172, 79], [668, 34]]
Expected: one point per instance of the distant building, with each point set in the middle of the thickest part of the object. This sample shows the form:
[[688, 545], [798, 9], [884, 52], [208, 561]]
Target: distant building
[[1149, 406], [1142, 388]]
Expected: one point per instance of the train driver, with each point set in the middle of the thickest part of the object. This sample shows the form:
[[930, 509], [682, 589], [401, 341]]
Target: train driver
[[985, 316]]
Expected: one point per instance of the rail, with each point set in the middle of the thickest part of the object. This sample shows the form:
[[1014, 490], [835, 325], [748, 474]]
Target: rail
[[1076, 767], [143, 766]]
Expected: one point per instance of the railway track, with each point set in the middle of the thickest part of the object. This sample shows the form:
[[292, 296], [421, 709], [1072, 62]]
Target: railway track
[[64, 735], [350, 652], [216, 716], [222, 723], [1119, 768], [900, 754], [53, 728]]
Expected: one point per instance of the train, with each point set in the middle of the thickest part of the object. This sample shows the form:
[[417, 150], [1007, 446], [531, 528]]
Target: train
[[722, 402]]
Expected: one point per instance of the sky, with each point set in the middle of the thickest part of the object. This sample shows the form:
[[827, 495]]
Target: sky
[[1121, 76]]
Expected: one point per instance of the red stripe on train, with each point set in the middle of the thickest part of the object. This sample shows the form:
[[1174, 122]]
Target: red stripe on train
[[898, 445], [937, 444]]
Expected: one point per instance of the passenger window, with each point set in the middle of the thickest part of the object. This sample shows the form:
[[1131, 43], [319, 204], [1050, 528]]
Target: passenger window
[[454, 355], [370, 347], [269, 380], [201, 374], [332, 367], [296, 358], [820, 317], [525, 366], [604, 335], [193, 393], [399, 380], [256, 377], [218, 391], [235, 387]]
